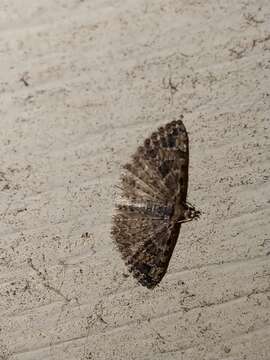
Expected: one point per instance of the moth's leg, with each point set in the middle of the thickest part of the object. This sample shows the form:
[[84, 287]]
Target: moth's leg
[[185, 220]]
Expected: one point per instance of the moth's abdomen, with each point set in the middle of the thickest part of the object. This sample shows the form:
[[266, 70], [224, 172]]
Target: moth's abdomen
[[148, 208]]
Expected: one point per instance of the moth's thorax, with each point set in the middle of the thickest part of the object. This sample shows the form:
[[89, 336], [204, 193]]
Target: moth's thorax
[[183, 212], [180, 212]]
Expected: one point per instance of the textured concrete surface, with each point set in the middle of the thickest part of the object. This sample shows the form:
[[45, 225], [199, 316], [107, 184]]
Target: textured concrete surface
[[81, 84]]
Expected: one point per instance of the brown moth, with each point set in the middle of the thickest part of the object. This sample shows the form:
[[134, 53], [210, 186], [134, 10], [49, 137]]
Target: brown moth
[[153, 203]]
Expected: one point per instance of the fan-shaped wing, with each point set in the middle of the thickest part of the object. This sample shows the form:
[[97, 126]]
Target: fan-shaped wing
[[146, 242]]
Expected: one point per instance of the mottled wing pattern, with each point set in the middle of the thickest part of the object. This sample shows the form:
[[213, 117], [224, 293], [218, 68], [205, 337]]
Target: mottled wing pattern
[[154, 181]]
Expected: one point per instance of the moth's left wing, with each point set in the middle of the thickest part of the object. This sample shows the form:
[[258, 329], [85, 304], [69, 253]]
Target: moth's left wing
[[146, 243]]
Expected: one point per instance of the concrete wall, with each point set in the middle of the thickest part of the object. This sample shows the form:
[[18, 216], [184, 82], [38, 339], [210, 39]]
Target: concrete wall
[[81, 84]]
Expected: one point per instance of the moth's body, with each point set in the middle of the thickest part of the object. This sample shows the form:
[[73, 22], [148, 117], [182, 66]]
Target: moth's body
[[184, 212], [181, 212], [153, 206]]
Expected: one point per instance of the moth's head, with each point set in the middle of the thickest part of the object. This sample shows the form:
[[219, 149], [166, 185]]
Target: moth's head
[[191, 213]]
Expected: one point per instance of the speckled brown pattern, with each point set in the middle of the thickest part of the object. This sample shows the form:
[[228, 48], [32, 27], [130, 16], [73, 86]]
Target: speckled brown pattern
[[153, 203]]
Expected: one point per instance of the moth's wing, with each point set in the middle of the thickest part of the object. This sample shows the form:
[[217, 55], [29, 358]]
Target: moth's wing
[[159, 169], [145, 242], [150, 262], [174, 158]]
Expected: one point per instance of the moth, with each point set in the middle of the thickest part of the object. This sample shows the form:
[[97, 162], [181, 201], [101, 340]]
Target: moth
[[153, 204]]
